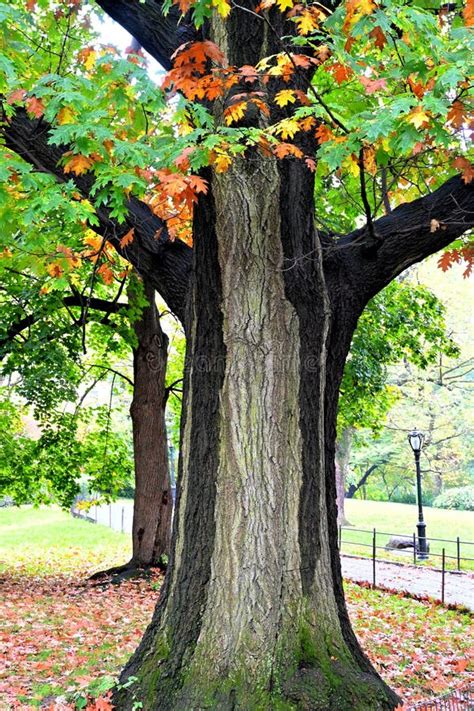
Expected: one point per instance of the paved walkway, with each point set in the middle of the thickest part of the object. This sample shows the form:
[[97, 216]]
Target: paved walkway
[[459, 587]]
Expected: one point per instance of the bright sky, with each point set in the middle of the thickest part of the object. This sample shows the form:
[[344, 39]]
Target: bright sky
[[112, 33]]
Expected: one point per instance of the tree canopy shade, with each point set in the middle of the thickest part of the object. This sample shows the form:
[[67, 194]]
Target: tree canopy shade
[[294, 122]]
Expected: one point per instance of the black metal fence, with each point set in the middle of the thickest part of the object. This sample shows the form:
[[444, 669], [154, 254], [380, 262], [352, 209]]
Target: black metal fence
[[374, 541], [458, 700]]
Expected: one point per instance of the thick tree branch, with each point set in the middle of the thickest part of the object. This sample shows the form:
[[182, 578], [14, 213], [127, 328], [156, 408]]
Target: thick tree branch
[[407, 235], [160, 35], [166, 263]]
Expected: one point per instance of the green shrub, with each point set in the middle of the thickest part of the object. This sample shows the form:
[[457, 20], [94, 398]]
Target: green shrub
[[461, 498]]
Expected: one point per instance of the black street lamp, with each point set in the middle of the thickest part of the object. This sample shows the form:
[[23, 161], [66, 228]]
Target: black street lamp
[[416, 443]]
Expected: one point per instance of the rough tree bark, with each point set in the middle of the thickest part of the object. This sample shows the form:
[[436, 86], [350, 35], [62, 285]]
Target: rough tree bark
[[153, 503], [252, 615]]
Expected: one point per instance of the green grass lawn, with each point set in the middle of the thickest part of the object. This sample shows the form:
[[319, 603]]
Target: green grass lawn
[[401, 519], [48, 541]]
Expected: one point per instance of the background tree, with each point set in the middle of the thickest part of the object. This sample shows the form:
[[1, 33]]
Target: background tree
[[54, 303], [253, 612], [436, 397], [405, 322]]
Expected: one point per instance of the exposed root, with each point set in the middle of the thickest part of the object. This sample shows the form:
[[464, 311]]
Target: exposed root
[[127, 571]]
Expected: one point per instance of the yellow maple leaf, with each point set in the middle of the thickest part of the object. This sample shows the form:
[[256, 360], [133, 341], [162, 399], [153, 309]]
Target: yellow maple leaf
[[92, 239], [285, 4], [88, 57], [235, 112], [418, 117], [222, 7], [355, 11], [65, 115], [306, 22], [78, 164], [222, 162], [287, 128], [351, 164], [284, 97]]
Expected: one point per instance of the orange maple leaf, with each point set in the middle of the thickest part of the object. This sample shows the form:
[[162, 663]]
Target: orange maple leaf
[[55, 270], [78, 164], [35, 106], [340, 72], [16, 96], [128, 238], [106, 273], [197, 53], [468, 13], [460, 665], [198, 184], [447, 259], [378, 35], [324, 133], [457, 114], [282, 150], [248, 73], [466, 168], [235, 112]]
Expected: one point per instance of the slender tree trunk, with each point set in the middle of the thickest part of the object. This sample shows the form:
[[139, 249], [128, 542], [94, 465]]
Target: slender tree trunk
[[343, 449], [153, 505], [340, 495], [354, 488]]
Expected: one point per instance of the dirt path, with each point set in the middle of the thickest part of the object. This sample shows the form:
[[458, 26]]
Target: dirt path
[[459, 587]]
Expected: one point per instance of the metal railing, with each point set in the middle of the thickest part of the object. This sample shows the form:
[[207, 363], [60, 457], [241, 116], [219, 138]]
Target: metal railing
[[373, 545], [458, 700]]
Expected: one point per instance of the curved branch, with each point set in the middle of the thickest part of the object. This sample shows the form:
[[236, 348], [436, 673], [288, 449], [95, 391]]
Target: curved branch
[[410, 233], [160, 35], [108, 307]]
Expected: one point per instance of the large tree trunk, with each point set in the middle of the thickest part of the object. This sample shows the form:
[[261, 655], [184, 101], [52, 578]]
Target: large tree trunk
[[153, 504], [253, 614]]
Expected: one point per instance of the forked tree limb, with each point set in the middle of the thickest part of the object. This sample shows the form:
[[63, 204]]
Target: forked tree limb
[[409, 234], [404, 237], [93, 303]]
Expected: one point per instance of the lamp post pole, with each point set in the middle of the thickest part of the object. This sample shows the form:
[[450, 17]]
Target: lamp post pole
[[416, 442]]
